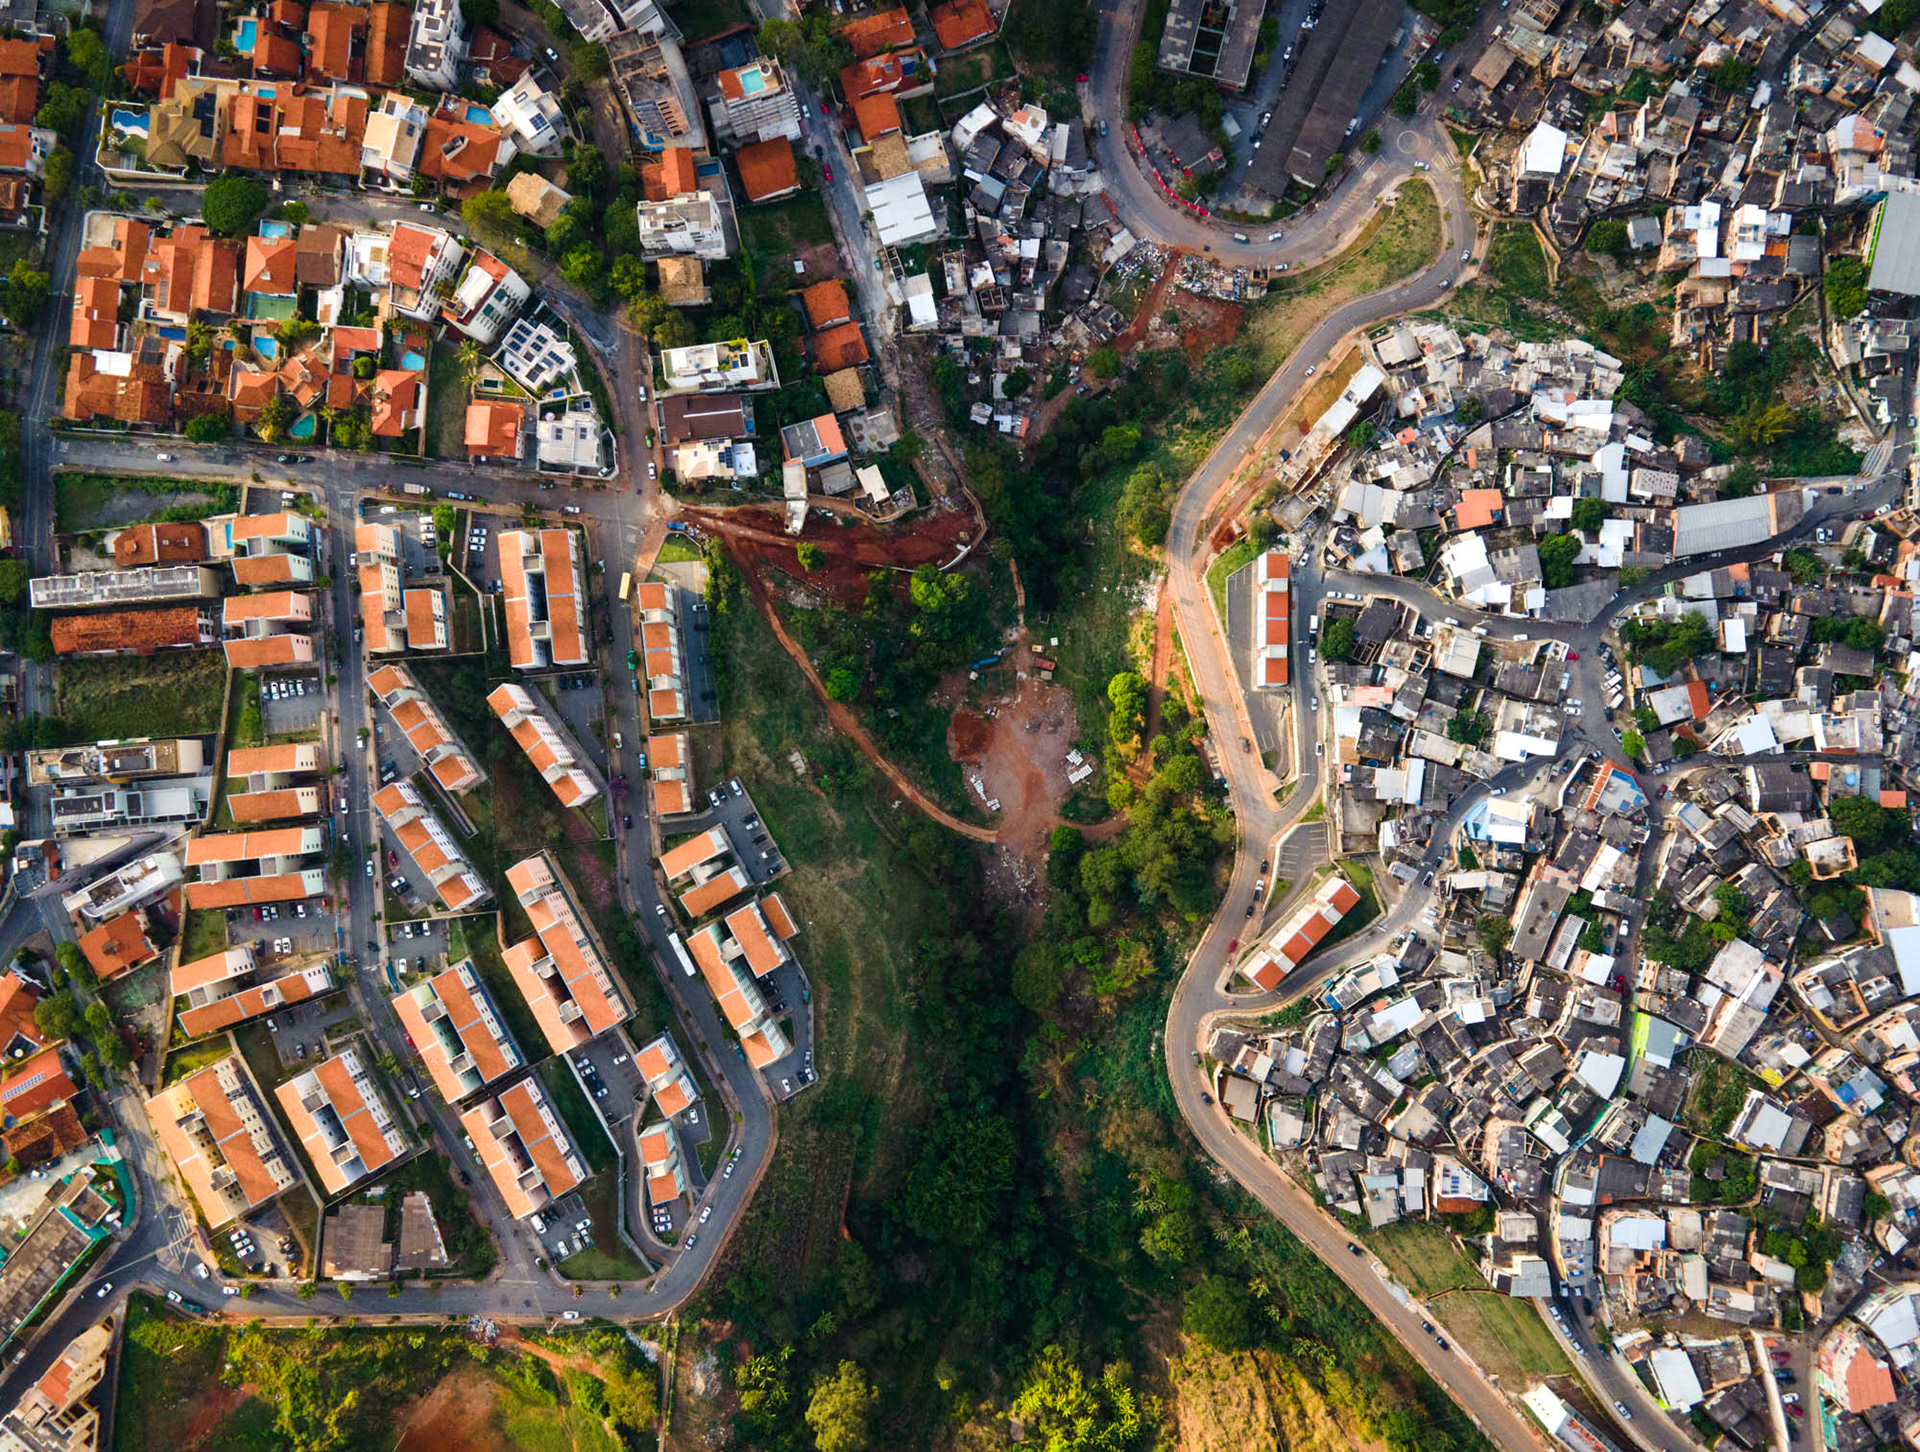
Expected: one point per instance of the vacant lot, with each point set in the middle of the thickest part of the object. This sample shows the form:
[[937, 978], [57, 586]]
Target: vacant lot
[[447, 395], [775, 234], [83, 502], [1397, 242], [162, 695], [1505, 1336]]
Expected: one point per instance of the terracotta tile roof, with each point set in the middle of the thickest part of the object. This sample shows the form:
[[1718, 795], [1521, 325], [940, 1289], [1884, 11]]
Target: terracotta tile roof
[[542, 1140], [122, 256], [35, 1083], [826, 303], [96, 313], [489, 1045], [331, 31], [697, 902], [16, 148], [223, 1139], [270, 650], [271, 266], [129, 632], [19, 58], [877, 116], [388, 26], [138, 395], [191, 270], [19, 99], [426, 619], [870, 77], [837, 348], [356, 1110], [275, 54], [883, 30], [960, 23], [407, 252], [17, 1000], [457, 151], [159, 544], [117, 945], [767, 169], [493, 429], [289, 131]]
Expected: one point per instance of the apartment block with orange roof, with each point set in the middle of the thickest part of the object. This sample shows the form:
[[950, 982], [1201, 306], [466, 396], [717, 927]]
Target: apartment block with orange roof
[[662, 659], [742, 1004], [525, 1148], [221, 1141], [544, 590], [342, 1119], [1289, 944], [668, 1080], [1273, 618], [231, 987], [274, 864], [661, 1165], [758, 932], [538, 731], [458, 1030], [426, 730], [426, 612], [382, 608], [563, 970], [268, 629], [671, 760], [434, 852], [270, 549], [271, 776]]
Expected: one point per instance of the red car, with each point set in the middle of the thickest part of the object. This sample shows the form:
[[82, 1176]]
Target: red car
[[1573, 655], [393, 858], [1234, 946], [1081, 80], [826, 171]]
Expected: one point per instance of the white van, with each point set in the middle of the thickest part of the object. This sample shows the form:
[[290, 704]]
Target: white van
[[1313, 624]]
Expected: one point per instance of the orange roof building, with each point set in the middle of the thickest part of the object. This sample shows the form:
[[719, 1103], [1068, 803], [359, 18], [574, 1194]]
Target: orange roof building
[[221, 1141], [562, 971], [398, 402], [96, 313], [114, 386], [546, 742], [883, 30], [270, 266], [671, 763], [741, 1003], [35, 1084], [122, 256], [661, 1165], [342, 1120], [275, 128], [525, 1147], [119, 945], [962, 23], [877, 115], [666, 1074], [458, 1030], [768, 171], [388, 26], [337, 42], [458, 152], [158, 544], [134, 632], [493, 429], [1479, 508], [1273, 616], [432, 848], [837, 348], [189, 270], [425, 728], [214, 1014], [543, 582], [827, 304], [1289, 945]]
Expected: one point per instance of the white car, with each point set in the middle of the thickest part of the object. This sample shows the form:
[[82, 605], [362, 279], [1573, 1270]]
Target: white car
[[706, 1215], [569, 1315], [106, 1289]]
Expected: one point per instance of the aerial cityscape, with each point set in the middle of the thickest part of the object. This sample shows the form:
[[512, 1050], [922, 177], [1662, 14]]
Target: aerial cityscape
[[1157, 724]]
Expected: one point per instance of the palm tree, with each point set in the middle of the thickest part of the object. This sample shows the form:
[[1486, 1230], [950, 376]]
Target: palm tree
[[468, 358]]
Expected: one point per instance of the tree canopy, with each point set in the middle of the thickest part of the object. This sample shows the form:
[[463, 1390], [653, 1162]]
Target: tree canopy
[[232, 204]]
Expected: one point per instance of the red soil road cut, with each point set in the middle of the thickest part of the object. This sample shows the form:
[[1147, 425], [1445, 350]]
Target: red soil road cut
[[757, 540], [1207, 323]]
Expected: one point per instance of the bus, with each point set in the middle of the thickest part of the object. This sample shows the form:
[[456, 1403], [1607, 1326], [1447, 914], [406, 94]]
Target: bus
[[680, 952], [626, 584]]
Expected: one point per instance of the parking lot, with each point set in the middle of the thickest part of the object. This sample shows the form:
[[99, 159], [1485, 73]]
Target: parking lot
[[308, 925], [579, 700], [759, 853], [399, 873], [566, 1229], [417, 948], [299, 1031], [291, 703], [419, 542], [703, 697], [607, 1075]]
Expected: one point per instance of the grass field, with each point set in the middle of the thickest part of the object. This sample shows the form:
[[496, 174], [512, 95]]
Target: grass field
[[1236, 557], [1511, 285], [1504, 1335], [447, 395], [187, 1061], [115, 698], [862, 908], [1397, 243], [205, 934], [961, 74], [677, 549], [771, 234]]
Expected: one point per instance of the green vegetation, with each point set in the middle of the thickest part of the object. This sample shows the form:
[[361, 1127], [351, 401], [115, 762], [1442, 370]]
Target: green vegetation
[[1235, 558], [1739, 1173], [1845, 286], [1664, 646], [113, 698], [1719, 1089], [1506, 1337], [84, 501], [232, 204], [1469, 728], [1337, 639], [772, 234]]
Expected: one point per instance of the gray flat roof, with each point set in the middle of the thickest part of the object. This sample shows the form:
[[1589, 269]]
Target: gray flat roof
[[1896, 246]]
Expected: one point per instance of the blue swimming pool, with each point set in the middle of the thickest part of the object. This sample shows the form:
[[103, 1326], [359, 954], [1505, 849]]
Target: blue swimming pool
[[303, 427], [243, 37], [130, 120], [479, 115], [266, 347], [276, 229], [413, 360]]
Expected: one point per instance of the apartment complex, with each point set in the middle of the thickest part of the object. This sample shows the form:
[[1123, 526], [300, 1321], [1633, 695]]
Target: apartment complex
[[272, 776], [221, 1141], [711, 866], [525, 1148], [539, 732], [233, 986], [562, 971], [457, 1029], [425, 728], [666, 1074], [544, 587], [664, 661], [342, 1120], [1272, 617], [276, 864], [671, 760], [435, 854]]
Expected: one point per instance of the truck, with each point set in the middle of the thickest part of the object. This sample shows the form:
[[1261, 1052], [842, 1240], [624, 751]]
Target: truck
[[421, 490]]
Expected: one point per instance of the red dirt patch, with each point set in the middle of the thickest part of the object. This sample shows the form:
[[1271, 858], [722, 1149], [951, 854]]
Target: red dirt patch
[[1207, 323], [456, 1416], [212, 1405], [967, 736], [758, 541]]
